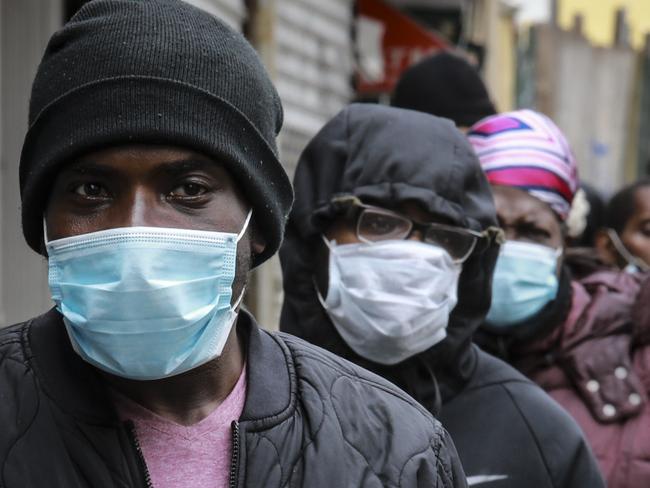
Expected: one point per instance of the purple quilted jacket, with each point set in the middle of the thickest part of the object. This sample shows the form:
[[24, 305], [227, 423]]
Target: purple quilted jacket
[[597, 366]]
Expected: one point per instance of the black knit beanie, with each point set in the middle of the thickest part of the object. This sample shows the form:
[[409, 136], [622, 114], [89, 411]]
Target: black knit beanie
[[154, 72], [447, 86]]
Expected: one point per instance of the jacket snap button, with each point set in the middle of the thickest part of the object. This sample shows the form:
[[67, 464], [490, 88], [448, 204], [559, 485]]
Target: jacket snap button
[[634, 399], [620, 373], [609, 410], [593, 386]]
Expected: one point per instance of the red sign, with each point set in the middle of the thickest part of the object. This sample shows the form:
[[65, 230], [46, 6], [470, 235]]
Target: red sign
[[388, 42]]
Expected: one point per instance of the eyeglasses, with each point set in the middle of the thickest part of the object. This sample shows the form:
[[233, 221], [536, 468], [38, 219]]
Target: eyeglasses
[[375, 224]]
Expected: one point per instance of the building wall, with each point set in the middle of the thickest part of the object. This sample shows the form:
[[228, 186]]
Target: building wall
[[598, 15], [26, 28], [306, 45], [313, 68], [595, 120], [491, 24]]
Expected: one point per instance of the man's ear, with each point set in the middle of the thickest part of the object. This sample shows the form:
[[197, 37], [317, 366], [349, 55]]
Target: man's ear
[[257, 241], [605, 248]]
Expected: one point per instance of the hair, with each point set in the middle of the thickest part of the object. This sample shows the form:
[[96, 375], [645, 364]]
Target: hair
[[622, 205]]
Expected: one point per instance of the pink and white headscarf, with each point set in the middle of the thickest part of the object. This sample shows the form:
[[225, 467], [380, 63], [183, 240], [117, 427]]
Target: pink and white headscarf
[[525, 149]]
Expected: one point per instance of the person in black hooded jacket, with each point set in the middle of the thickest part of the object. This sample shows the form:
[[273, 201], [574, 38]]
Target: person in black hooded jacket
[[387, 261]]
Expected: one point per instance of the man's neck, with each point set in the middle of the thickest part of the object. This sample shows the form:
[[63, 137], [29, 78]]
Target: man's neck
[[191, 396]]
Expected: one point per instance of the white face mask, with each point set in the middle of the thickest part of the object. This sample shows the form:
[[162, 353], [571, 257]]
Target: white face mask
[[390, 300]]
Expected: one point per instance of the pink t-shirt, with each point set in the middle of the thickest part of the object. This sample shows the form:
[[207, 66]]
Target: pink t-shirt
[[178, 456]]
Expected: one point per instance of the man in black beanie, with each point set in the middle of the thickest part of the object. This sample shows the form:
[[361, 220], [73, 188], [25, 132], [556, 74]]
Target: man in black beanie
[[447, 86], [150, 181]]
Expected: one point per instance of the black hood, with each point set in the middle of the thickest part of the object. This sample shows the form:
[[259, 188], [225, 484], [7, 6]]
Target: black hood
[[386, 156]]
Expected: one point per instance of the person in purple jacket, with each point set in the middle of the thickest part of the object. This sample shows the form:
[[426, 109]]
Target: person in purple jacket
[[586, 341]]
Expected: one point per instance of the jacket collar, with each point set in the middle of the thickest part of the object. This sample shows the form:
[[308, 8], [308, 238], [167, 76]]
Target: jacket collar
[[78, 389], [270, 375]]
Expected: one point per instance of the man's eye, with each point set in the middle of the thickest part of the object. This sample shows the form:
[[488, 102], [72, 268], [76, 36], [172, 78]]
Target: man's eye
[[378, 227], [381, 225], [189, 190], [92, 190]]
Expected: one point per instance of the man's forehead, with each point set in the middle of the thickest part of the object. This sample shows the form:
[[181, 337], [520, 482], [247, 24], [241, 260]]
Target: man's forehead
[[135, 151], [144, 158]]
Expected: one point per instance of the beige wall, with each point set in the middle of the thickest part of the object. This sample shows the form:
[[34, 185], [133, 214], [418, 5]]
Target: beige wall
[[306, 46], [588, 91], [598, 18], [492, 25]]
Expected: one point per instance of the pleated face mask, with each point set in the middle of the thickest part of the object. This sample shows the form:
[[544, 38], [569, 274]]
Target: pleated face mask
[[525, 280], [146, 302], [390, 300]]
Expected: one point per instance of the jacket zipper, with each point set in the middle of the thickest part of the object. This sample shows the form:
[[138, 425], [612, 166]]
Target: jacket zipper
[[130, 426], [234, 465]]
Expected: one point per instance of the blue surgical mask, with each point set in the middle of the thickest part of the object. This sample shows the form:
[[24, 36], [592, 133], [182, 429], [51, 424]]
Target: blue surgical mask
[[524, 281], [146, 302]]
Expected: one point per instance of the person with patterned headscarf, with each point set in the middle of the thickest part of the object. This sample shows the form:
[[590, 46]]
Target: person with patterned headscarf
[[579, 340]]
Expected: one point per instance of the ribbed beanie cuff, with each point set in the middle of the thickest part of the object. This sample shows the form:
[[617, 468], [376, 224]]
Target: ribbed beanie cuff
[[222, 106]]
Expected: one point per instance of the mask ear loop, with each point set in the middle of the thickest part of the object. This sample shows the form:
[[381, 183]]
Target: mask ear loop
[[45, 232], [327, 243], [318, 294], [239, 236], [245, 227], [239, 300], [625, 254], [313, 278]]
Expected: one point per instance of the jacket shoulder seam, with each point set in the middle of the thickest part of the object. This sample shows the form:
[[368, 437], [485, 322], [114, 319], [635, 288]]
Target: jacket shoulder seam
[[341, 369], [351, 374], [13, 334], [501, 383]]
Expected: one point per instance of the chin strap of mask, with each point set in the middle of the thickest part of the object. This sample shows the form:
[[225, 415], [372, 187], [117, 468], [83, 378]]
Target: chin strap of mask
[[624, 253]]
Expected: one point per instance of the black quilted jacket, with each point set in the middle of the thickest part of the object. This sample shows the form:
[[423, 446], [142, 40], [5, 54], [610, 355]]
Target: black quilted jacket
[[310, 419]]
